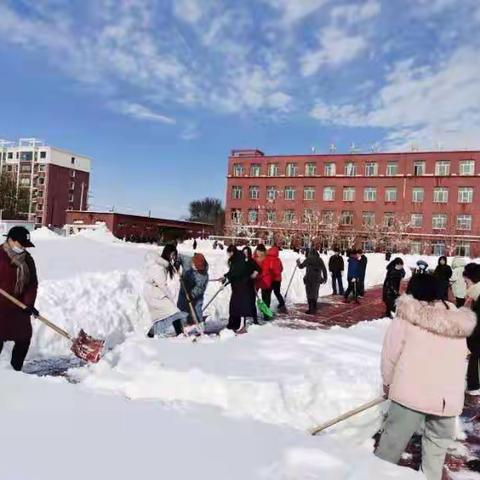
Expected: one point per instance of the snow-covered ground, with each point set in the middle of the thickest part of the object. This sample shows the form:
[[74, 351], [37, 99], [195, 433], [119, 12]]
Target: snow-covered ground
[[233, 407]]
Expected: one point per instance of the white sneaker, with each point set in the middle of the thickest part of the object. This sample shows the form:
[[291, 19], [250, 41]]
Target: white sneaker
[[473, 393]]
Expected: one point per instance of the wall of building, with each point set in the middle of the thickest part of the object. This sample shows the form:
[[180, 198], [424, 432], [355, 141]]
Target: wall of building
[[404, 181]]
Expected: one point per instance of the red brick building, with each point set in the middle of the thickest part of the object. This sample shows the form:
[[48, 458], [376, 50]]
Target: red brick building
[[137, 228], [420, 202], [53, 179]]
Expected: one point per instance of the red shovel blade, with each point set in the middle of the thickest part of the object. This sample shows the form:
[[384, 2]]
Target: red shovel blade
[[87, 348]]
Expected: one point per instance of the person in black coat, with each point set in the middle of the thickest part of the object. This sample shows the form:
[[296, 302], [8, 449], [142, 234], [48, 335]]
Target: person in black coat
[[240, 277], [362, 259], [443, 273], [255, 271], [471, 274], [315, 275], [391, 285], [336, 266]]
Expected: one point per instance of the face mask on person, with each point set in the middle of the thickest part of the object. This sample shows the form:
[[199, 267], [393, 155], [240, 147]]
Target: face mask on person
[[18, 249], [442, 262], [398, 267]]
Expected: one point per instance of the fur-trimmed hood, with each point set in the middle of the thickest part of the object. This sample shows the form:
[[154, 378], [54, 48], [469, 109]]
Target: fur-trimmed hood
[[436, 318]]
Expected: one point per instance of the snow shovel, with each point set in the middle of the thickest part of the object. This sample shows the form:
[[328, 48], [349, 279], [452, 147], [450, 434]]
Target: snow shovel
[[83, 346], [345, 416], [290, 282], [264, 308], [193, 313], [215, 296]]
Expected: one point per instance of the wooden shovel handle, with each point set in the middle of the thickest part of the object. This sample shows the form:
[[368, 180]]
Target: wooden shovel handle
[[351, 413], [47, 322]]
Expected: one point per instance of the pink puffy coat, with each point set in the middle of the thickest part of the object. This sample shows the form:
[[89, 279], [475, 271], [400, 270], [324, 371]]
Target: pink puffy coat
[[424, 356]]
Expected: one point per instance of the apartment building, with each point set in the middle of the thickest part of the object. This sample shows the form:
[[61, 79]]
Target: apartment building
[[54, 180], [429, 200]]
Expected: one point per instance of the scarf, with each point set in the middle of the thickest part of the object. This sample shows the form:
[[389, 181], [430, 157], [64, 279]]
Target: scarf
[[474, 291], [18, 260]]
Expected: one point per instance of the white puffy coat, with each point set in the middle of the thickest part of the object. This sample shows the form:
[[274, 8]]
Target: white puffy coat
[[459, 287], [161, 303]]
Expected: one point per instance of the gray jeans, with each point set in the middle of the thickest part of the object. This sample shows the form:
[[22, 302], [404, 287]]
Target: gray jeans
[[402, 423]]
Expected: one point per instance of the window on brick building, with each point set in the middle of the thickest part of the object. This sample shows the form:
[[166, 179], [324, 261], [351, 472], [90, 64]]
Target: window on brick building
[[255, 170], [329, 194], [346, 218], [289, 193], [371, 169], [465, 195], [237, 170], [392, 169], [368, 218], [438, 248], [415, 247], [72, 172], [440, 195], [271, 215], [307, 215], [310, 169], [389, 219], [329, 169], [291, 170], [252, 215], [327, 216], [289, 216], [370, 194], [350, 169], [271, 193], [462, 249], [348, 194], [418, 195], [464, 222], [467, 167], [416, 220], [419, 168], [43, 154], [439, 221], [237, 192], [272, 170], [309, 193], [442, 168], [236, 215], [390, 194], [254, 192]]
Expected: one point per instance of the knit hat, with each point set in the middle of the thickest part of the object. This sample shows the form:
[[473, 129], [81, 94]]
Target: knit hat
[[199, 262]]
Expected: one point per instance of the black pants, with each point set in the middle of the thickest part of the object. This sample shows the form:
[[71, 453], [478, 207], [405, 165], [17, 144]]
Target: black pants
[[337, 280], [460, 302], [267, 294], [390, 306], [235, 323], [19, 352], [473, 380], [352, 289], [361, 287]]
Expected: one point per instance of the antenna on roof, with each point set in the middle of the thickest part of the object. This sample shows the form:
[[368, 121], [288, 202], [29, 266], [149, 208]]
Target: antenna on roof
[[314, 149], [333, 148], [353, 148], [374, 147], [439, 146], [414, 147]]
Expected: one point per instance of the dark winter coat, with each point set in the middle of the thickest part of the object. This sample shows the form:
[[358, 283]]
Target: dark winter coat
[[443, 273], [196, 283], [336, 264], [473, 342], [315, 275], [353, 268], [239, 276], [363, 267], [391, 285], [14, 323]]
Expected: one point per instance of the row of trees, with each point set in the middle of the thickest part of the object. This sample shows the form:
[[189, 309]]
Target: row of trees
[[13, 202]]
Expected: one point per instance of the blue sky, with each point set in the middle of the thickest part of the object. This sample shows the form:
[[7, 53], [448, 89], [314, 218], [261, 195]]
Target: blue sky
[[158, 92]]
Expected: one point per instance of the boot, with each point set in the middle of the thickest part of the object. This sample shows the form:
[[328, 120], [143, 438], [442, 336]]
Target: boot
[[314, 306], [282, 309], [311, 307], [178, 326]]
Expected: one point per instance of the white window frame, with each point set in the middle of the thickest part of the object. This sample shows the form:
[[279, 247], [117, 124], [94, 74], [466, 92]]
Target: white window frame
[[440, 195], [370, 194], [388, 219], [237, 192], [328, 194], [329, 169], [291, 214], [419, 168], [463, 249], [442, 168], [291, 170], [307, 212], [348, 194], [388, 172], [436, 225], [462, 170], [272, 170], [309, 193], [416, 192], [255, 169], [465, 195], [464, 222], [415, 247], [254, 192], [371, 218], [346, 214], [252, 211], [236, 215], [271, 190], [416, 220], [388, 194], [310, 169], [350, 169], [238, 170], [271, 215], [368, 169], [289, 193]]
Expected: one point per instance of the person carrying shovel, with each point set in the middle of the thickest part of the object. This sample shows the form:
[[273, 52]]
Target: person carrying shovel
[[18, 277]]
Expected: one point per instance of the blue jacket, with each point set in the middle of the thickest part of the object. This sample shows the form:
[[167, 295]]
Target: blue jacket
[[353, 268]]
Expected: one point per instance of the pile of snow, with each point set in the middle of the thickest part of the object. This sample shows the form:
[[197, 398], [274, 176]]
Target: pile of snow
[[44, 233], [100, 233]]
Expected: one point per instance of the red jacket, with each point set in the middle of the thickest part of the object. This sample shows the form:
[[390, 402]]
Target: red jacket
[[275, 264], [264, 279], [14, 323]]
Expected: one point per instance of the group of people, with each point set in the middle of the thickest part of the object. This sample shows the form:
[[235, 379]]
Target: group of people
[[424, 358]]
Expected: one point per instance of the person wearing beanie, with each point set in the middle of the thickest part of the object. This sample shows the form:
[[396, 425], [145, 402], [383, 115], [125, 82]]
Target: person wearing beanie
[[391, 285], [471, 274], [195, 280], [18, 277]]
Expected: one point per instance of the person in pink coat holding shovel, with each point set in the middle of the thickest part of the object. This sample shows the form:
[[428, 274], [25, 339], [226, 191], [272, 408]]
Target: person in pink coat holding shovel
[[423, 369]]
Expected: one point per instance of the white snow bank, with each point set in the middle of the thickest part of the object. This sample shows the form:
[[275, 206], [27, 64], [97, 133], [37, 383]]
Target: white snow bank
[[56, 431], [44, 233]]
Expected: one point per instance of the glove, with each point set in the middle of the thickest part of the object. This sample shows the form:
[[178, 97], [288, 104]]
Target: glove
[[32, 311]]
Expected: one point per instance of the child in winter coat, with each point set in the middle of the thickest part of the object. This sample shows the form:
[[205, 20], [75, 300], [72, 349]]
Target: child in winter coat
[[443, 273], [195, 280], [459, 287], [163, 311], [275, 268], [423, 370], [391, 285], [353, 275]]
